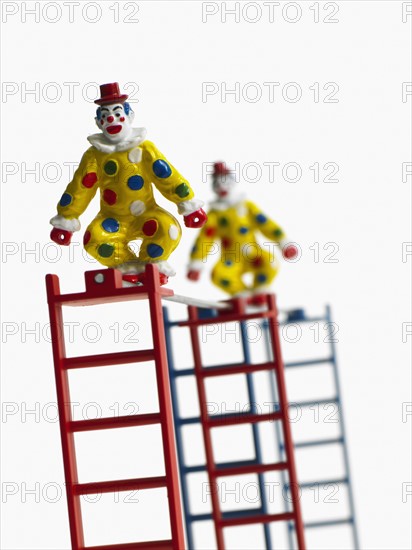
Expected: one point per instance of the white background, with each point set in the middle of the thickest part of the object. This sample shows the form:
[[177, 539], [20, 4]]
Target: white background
[[169, 54]]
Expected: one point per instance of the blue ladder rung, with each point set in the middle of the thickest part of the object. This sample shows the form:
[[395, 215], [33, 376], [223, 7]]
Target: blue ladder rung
[[308, 363], [182, 372], [308, 484], [316, 442], [329, 523], [188, 420], [196, 419], [314, 402], [227, 515]]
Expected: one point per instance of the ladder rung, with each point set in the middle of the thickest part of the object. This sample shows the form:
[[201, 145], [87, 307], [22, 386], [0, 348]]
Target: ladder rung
[[114, 422], [227, 515], [182, 372], [236, 369], [219, 465], [242, 419], [226, 318], [308, 484], [150, 545], [309, 363], [329, 523], [251, 469], [301, 444], [106, 359], [261, 518], [314, 402], [119, 485]]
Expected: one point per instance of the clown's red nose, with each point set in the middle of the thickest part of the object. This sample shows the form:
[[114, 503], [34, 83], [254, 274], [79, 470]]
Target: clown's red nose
[[110, 119]]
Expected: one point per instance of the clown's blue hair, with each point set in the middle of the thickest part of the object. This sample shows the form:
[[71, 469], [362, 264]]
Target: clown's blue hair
[[126, 106]]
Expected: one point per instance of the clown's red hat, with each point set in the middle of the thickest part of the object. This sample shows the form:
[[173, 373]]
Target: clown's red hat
[[220, 169], [110, 93]]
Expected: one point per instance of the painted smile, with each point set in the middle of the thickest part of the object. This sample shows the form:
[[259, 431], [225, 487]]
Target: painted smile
[[115, 129]]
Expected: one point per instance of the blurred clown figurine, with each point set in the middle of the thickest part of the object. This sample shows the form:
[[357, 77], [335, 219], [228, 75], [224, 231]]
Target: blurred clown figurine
[[234, 222], [123, 165]]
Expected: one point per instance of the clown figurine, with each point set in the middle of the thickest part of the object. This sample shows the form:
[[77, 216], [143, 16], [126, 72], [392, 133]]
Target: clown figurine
[[234, 222], [123, 165]]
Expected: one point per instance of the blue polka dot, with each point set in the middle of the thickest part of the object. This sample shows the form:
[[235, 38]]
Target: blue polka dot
[[110, 225], [243, 230], [194, 249], [228, 262], [135, 182], [224, 282], [261, 218], [66, 199], [161, 169], [261, 278], [154, 250]]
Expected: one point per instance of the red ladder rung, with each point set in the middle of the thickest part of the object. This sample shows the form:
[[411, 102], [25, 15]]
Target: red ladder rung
[[98, 487], [251, 469], [242, 419], [235, 369], [114, 422], [262, 518], [150, 545], [106, 359]]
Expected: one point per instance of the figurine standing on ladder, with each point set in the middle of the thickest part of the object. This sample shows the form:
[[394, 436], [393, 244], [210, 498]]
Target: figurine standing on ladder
[[123, 165], [235, 221]]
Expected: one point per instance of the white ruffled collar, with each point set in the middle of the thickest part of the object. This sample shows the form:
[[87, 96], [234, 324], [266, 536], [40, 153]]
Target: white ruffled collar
[[227, 202], [101, 143]]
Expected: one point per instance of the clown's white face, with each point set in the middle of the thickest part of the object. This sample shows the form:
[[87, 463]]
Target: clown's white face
[[224, 185], [113, 121]]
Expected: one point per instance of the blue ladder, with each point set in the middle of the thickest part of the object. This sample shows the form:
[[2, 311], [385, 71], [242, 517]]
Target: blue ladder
[[299, 316], [293, 317]]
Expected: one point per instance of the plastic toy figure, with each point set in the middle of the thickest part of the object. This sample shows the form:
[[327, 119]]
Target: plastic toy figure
[[235, 221], [123, 165]]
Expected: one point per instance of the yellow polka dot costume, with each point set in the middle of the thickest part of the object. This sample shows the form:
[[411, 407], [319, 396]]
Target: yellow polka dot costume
[[128, 210], [231, 234], [124, 166]]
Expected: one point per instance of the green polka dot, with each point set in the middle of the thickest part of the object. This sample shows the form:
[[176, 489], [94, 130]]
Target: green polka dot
[[182, 190], [105, 250], [278, 233], [223, 222], [110, 167]]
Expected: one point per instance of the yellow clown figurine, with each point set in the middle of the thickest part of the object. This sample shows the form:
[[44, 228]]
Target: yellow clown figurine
[[231, 227], [124, 165]]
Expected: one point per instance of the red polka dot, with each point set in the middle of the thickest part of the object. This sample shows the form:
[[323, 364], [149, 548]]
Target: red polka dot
[[86, 237], [109, 196], [226, 242], [150, 227], [89, 179], [257, 262], [210, 231]]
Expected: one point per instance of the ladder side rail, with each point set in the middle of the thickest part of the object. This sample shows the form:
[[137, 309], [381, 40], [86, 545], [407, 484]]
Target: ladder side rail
[[283, 402], [64, 409], [278, 431], [355, 534], [178, 430], [210, 462], [255, 430], [165, 407]]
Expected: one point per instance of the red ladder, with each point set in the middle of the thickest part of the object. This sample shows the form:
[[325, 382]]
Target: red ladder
[[104, 286], [238, 313]]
